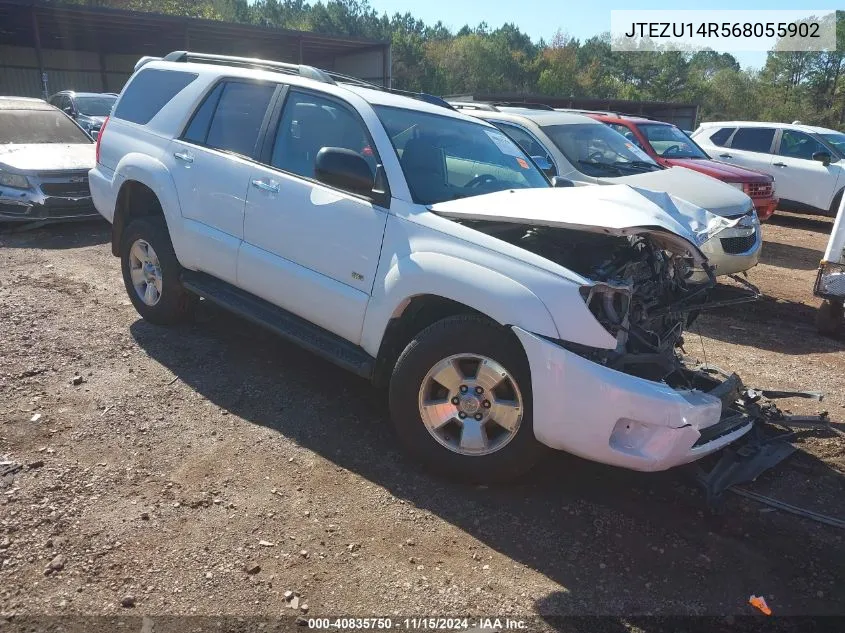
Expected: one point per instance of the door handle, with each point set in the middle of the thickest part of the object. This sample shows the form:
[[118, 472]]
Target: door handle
[[266, 186], [725, 156], [184, 156], [779, 164]]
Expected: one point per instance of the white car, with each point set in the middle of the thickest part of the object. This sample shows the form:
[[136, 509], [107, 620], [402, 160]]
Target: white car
[[806, 161], [421, 249]]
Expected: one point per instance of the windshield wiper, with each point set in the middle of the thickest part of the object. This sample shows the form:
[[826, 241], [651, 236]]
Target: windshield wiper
[[607, 166], [639, 164]]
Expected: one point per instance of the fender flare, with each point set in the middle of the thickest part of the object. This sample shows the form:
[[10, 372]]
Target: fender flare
[[153, 174], [467, 283]]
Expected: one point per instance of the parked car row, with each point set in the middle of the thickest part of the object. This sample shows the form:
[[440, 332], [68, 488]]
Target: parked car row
[[587, 152]]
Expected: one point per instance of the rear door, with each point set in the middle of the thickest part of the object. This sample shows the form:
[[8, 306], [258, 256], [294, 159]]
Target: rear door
[[750, 147], [211, 166], [800, 178]]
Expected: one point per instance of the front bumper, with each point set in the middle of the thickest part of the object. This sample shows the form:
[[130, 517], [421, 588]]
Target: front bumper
[[765, 207], [614, 418], [34, 205], [734, 250]]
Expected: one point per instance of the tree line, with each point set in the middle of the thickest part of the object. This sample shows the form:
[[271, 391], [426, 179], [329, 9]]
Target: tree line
[[806, 86]]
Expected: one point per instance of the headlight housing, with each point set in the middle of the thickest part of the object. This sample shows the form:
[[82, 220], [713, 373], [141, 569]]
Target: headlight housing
[[737, 185], [15, 181]]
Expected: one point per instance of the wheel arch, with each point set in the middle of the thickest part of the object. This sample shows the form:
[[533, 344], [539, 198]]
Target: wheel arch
[[426, 287], [146, 189]]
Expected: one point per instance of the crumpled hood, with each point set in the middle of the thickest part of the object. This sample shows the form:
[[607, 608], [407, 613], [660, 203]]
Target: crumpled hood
[[704, 191], [612, 210], [722, 171], [47, 157]]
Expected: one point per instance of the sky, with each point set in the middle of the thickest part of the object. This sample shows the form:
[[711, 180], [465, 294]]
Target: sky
[[580, 19]]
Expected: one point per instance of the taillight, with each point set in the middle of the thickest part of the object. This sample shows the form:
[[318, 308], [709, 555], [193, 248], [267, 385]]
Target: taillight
[[100, 139]]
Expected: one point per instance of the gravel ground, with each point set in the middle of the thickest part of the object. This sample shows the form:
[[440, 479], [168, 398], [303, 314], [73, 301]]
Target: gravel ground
[[211, 468]]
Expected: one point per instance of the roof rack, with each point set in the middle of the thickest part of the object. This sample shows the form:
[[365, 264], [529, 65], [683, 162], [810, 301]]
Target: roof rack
[[473, 105], [606, 113], [309, 72], [527, 105]]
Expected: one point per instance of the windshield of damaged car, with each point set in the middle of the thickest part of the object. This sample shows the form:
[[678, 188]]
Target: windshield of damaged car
[[99, 105], [670, 142], [444, 158], [39, 126], [596, 150]]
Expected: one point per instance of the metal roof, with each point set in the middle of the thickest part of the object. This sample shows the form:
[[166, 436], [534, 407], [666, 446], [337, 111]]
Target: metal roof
[[23, 103], [98, 29]]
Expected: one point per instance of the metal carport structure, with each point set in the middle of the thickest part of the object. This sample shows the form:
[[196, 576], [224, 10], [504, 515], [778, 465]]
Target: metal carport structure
[[46, 47]]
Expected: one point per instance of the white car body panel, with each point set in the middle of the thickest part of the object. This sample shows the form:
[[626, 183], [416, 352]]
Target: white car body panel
[[613, 417], [298, 248]]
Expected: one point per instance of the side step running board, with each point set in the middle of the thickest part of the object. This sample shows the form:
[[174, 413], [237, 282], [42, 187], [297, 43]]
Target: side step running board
[[287, 325]]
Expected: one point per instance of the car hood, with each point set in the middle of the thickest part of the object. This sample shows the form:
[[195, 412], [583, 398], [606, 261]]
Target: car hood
[[722, 171], [96, 121], [703, 191], [47, 156], [613, 210]]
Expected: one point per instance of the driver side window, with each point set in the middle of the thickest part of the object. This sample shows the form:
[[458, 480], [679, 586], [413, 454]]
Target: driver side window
[[628, 134], [308, 124], [796, 144]]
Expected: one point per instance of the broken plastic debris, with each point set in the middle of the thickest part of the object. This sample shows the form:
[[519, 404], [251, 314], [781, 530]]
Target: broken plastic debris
[[759, 602]]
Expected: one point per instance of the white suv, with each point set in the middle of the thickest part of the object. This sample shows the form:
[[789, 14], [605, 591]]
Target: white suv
[[806, 161], [419, 248]]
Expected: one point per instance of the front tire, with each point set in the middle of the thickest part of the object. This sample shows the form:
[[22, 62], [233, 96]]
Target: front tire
[[460, 400], [151, 273]]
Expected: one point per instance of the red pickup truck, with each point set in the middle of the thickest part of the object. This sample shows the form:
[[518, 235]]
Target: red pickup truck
[[669, 146]]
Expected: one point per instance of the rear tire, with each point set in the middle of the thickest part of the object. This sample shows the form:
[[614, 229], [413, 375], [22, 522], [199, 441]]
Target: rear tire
[[151, 273], [494, 441], [829, 317]]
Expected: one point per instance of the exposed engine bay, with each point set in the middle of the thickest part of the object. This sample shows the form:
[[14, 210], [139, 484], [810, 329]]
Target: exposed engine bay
[[645, 295]]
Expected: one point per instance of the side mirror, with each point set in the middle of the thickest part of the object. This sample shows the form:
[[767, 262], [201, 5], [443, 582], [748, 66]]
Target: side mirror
[[558, 181], [545, 165], [823, 157], [344, 169], [68, 110]]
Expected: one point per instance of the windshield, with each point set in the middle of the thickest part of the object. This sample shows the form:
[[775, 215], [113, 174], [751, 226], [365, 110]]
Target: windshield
[[39, 126], [99, 105], [596, 150], [669, 142], [836, 139], [444, 158]]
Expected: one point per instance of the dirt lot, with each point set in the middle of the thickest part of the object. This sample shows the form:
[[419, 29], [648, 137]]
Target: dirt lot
[[188, 457]]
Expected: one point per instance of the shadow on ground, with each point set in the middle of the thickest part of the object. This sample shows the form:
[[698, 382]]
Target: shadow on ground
[[817, 223], [617, 541], [790, 256], [56, 236]]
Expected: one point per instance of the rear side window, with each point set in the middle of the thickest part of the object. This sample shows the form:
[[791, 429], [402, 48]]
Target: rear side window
[[721, 136], [237, 119], [149, 92], [198, 128], [753, 139]]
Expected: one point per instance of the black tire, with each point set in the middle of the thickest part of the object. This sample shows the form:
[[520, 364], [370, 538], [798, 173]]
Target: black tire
[[456, 335], [176, 304], [829, 317]]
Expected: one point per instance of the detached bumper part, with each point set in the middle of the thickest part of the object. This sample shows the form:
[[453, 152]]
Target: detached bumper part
[[614, 418], [830, 281]]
